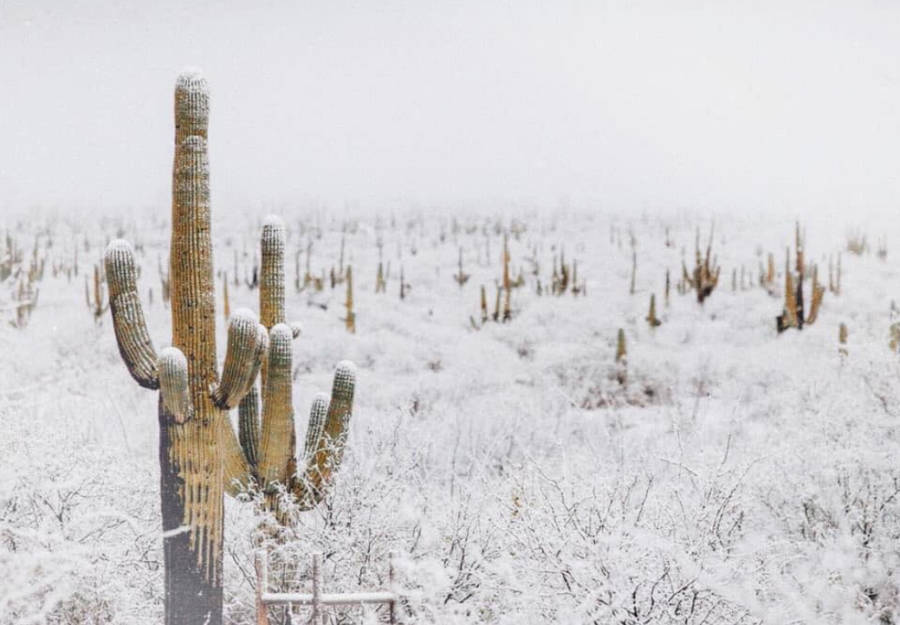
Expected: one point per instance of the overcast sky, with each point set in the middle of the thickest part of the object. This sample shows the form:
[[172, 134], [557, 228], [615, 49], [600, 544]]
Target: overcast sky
[[731, 105]]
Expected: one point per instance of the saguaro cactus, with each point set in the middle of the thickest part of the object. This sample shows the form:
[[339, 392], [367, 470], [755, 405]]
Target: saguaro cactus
[[266, 453], [200, 456]]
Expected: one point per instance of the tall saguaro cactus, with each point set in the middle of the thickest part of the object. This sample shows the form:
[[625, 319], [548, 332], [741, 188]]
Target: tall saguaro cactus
[[200, 456]]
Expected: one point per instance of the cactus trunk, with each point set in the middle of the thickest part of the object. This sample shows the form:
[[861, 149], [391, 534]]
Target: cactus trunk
[[190, 453], [190, 595]]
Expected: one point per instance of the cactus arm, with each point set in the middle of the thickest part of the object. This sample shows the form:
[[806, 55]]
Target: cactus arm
[[173, 384], [237, 472], [241, 454], [241, 357], [317, 415], [271, 281], [329, 451], [134, 342], [248, 425], [278, 439]]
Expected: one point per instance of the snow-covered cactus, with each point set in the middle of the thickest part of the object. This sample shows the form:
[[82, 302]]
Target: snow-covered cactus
[[705, 276], [350, 319], [621, 357], [267, 447], [97, 304], [201, 458], [652, 319], [794, 313]]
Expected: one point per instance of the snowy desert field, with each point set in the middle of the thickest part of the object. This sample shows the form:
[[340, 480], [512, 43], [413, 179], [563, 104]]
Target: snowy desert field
[[735, 476]]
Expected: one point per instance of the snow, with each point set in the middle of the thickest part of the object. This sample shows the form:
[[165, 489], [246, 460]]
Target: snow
[[740, 476]]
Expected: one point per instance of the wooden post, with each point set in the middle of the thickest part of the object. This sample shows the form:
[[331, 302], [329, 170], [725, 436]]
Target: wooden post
[[262, 585], [392, 604], [317, 589]]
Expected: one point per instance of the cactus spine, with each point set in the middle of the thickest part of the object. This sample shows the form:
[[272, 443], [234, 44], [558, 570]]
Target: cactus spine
[[200, 456]]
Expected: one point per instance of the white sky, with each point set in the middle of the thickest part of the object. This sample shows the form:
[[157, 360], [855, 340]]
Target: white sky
[[726, 105]]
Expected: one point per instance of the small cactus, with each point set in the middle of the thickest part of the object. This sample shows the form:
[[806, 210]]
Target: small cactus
[[165, 283], [460, 276], [99, 304], [794, 314], [834, 280], [484, 307], [652, 319], [380, 282], [404, 287], [621, 358], [631, 286], [350, 319], [226, 305], [666, 298], [705, 276]]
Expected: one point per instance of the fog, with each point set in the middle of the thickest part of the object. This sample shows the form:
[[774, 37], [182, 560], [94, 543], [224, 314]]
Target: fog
[[790, 106]]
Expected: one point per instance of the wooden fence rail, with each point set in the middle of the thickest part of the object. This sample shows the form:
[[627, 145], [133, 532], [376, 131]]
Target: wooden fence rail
[[317, 599]]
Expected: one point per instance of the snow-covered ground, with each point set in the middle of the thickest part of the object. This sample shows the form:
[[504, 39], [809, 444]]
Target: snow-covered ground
[[739, 477]]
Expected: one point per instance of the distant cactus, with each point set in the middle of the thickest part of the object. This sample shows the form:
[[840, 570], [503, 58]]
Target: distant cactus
[[857, 243], [484, 308], [165, 283], [652, 319], [380, 282], [99, 303], [834, 280], [26, 298], [460, 276], [705, 276], [226, 304], [350, 319], [818, 292], [631, 285], [621, 358], [666, 298], [795, 314], [200, 456], [404, 286]]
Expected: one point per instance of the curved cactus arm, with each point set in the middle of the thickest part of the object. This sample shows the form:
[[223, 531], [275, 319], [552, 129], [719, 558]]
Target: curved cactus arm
[[242, 451], [317, 415], [248, 425], [261, 354], [173, 384], [311, 487], [130, 327], [240, 359], [341, 406], [276, 454]]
